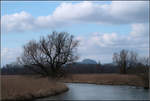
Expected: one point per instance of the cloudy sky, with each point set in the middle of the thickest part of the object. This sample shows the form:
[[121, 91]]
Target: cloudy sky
[[102, 27]]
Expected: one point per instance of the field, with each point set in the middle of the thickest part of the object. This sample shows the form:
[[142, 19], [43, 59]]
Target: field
[[28, 87], [108, 79]]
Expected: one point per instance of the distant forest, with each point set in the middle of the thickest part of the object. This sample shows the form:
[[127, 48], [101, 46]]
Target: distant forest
[[74, 68]]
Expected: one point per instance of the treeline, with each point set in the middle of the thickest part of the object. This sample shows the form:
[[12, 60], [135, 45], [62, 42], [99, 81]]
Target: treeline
[[75, 68], [15, 69], [90, 68]]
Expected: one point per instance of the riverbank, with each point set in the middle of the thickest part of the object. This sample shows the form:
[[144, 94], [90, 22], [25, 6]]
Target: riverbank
[[105, 79], [29, 87]]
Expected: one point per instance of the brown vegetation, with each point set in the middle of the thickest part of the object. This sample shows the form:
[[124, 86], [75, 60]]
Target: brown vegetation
[[109, 79], [27, 87]]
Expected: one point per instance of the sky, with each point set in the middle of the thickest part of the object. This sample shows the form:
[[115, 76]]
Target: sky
[[102, 27]]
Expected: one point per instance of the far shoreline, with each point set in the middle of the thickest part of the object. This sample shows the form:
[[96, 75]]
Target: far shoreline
[[106, 79]]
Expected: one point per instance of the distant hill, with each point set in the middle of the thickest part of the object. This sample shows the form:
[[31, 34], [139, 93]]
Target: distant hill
[[88, 61]]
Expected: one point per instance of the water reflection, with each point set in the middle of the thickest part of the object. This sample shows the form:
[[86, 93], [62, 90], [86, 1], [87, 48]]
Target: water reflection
[[102, 92]]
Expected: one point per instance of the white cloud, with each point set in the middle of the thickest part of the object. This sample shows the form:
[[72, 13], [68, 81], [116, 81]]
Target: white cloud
[[140, 30], [130, 11], [101, 46], [17, 22], [9, 55], [118, 12]]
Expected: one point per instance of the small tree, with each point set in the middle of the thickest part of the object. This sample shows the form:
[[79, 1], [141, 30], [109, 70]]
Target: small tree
[[132, 59], [99, 65], [121, 60], [47, 56]]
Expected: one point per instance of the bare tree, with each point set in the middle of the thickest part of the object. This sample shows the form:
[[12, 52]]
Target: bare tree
[[132, 59], [121, 60], [48, 55], [129, 59], [145, 61]]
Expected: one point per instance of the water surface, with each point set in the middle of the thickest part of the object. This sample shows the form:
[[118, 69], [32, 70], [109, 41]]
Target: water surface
[[79, 91]]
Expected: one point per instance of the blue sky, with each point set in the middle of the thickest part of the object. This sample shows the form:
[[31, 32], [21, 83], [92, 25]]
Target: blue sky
[[9, 7], [106, 27]]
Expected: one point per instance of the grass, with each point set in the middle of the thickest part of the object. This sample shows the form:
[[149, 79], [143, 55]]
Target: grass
[[28, 87], [106, 79]]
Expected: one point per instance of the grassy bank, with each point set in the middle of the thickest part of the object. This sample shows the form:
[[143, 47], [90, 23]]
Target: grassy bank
[[106, 79], [27, 88]]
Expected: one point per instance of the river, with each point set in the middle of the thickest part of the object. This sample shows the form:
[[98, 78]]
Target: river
[[80, 91]]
